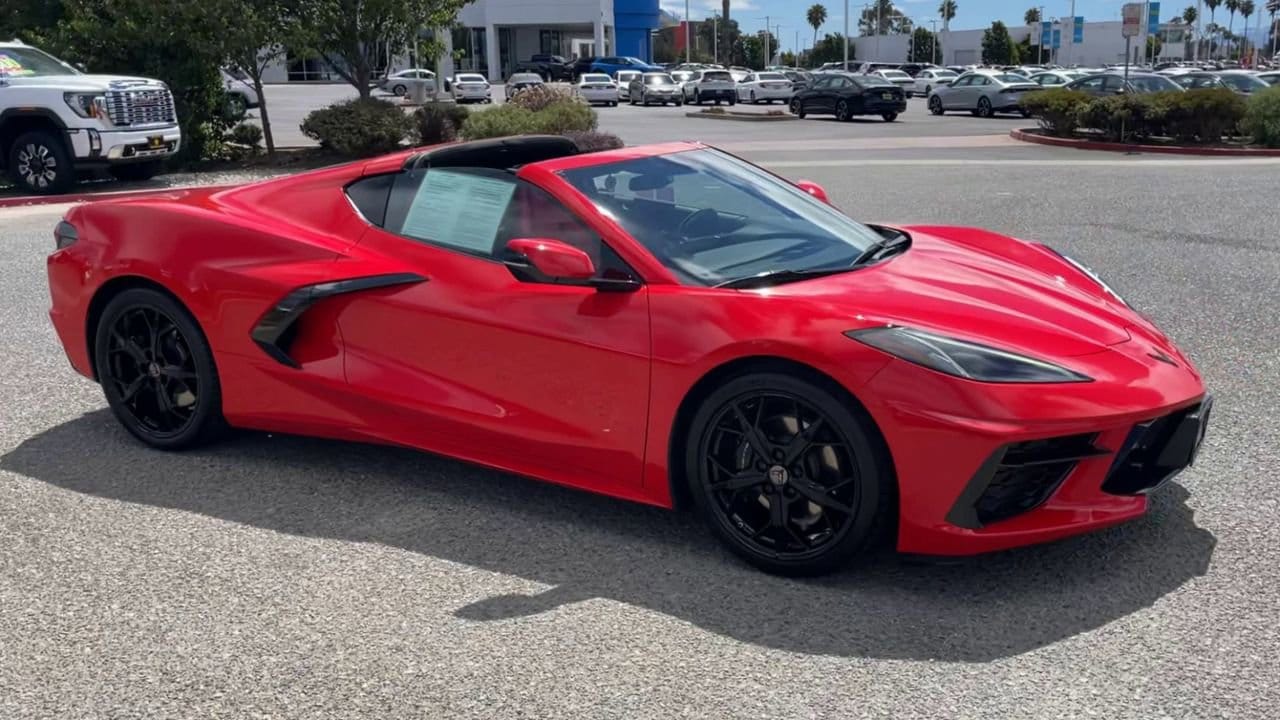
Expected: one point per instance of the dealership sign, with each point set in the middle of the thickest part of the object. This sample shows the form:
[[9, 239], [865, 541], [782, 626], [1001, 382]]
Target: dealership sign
[[1132, 15]]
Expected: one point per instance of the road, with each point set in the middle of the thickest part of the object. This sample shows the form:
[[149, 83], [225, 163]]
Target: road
[[282, 577]]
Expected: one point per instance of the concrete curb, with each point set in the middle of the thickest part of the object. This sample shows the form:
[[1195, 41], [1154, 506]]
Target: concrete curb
[[1038, 139], [31, 200], [740, 117]]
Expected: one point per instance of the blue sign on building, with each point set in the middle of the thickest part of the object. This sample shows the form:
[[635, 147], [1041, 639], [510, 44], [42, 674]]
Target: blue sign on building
[[1077, 34], [1153, 18], [1057, 38], [1046, 32]]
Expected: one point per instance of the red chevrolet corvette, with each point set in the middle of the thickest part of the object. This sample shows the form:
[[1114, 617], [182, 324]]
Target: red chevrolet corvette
[[662, 324]]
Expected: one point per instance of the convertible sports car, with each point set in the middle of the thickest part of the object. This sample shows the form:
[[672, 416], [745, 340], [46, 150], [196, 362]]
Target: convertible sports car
[[666, 324]]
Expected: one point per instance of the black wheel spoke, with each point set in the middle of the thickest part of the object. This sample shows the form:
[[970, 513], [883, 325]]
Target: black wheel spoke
[[820, 496], [740, 480], [758, 442], [178, 373], [132, 388], [802, 441], [128, 346], [157, 385]]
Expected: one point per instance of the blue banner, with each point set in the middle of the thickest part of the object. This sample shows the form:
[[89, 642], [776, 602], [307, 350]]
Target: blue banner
[[1057, 39], [1046, 32], [1153, 18], [1077, 35]]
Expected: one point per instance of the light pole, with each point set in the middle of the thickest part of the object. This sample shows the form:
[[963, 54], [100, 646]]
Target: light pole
[[688, 46], [933, 52], [715, 39], [846, 35]]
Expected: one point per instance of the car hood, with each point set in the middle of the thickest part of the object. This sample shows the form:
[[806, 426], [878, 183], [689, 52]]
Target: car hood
[[981, 286], [83, 83]]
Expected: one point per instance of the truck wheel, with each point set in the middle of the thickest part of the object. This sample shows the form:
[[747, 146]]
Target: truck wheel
[[39, 163], [235, 107], [136, 171]]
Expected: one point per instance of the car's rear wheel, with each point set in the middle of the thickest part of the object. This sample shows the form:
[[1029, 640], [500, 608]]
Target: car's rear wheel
[[889, 116], [935, 105], [787, 474], [399, 90], [984, 108], [157, 371], [842, 111], [40, 163], [797, 108]]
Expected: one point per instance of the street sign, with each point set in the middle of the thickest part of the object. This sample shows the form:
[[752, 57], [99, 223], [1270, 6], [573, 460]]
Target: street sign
[[1077, 33], [1153, 18], [1046, 31], [1132, 14], [1057, 38]]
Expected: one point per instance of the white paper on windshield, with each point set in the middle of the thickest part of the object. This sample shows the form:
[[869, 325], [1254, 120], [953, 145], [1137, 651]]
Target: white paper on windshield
[[459, 209]]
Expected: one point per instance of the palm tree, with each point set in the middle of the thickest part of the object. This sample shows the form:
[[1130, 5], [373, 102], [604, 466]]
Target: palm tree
[[1232, 7], [1246, 9], [1212, 5], [1189, 15], [1032, 16], [726, 39], [816, 16]]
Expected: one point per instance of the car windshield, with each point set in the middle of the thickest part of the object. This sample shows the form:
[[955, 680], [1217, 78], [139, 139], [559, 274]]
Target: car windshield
[[593, 78], [471, 78], [1008, 78], [681, 75], [718, 76], [30, 62], [770, 76], [525, 78], [894, 74], [1152, 83], [711, 218], [634, 61], [1241, 81], [1273, 79], [658, 80], [944, 74]]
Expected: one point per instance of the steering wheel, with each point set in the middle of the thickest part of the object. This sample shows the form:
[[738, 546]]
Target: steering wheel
[[688, 228]]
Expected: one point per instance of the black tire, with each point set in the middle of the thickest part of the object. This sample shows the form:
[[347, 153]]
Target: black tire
[[845, 488], [136, 171], [797, 108], [842, 111], [754, 101], [157, 371], [717, 101], [935, 105], [235, 107], [697, 99], [889, 117], [733, 101], [40, 163], [984, 108], [928, 90], [399, 90], [1024, 112]]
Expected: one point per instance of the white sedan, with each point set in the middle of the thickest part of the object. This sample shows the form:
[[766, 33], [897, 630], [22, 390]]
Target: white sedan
[[904, 81], [598, 88], [471, 87], [930, 78], [758, 87], [624, 78]]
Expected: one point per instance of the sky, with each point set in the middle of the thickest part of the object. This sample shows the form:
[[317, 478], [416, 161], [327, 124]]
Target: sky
[[971, 14]]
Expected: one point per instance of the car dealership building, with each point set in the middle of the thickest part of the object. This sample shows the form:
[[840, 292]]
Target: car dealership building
[[492, 36]]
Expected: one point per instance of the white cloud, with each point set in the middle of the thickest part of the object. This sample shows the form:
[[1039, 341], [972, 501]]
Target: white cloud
[[700, 9]]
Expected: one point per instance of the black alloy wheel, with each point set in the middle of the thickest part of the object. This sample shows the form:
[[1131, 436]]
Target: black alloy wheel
[[157, 371], [984, 108], [935, 105], [842, 111], [797, 108], [787, 474]]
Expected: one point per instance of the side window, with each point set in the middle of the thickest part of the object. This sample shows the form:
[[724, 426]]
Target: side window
[[963, 81], [1092, 84], [981, 80], [533, 213], [843, 83]]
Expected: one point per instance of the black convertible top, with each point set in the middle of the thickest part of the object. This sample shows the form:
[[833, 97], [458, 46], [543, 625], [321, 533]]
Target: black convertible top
[[498, 153]]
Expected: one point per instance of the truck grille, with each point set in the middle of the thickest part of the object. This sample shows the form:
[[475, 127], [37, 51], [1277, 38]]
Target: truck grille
[[151, 106]]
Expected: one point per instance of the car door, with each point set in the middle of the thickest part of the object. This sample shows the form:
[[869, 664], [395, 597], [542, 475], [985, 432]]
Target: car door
[[537, 377], [1091, 86], [953, 96], [1112, 85]]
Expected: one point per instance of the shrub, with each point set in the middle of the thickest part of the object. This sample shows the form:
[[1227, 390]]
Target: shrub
[[358, 127], [564, 117], [1121, 118], [440, 122], [1262, 117], [592, 141], [501, 121], [540, 97], [1202, 115], [1056, 109], [246, 135]]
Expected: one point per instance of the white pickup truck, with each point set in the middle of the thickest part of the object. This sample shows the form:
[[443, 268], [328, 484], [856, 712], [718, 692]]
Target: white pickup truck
[[55, 120]]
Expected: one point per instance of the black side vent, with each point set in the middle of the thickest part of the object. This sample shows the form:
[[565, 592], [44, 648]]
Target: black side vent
[[1019, 478]]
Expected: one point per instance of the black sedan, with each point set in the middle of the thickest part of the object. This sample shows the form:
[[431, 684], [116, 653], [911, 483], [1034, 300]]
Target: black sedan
[[846, 94], [1114, 84]]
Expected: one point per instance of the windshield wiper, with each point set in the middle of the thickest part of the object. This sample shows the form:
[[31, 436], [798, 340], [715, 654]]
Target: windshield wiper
[[777, 277], [881, 246]]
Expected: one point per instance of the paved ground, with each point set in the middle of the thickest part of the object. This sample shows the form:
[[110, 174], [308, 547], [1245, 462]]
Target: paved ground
[[288, 578]]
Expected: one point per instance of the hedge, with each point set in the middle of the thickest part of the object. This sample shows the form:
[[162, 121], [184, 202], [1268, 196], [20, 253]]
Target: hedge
[[1194, 116], [1262, 117], [359, 127], [510, 119], [440, 122]]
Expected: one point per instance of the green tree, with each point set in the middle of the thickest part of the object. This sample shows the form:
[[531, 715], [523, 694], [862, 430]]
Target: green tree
[[817, 15], [352, 34], [882, 18], [1189, 15], [706, 36], [1246, 9], [997, 45], [923, 46], [1212, 5], [758, 49], [1154, 45], [1232, 6], [1031, 16], [947, 11], [829, 49]]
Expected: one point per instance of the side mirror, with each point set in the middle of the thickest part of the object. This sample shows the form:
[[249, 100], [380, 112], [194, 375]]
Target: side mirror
[[813, 189], [554, 259]]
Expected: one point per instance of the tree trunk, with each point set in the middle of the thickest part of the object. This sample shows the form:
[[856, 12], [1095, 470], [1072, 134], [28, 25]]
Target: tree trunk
[[724, 31], [262, 112], [361, 74]]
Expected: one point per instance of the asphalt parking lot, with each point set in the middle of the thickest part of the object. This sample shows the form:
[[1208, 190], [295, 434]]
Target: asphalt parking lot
[[283, 577]]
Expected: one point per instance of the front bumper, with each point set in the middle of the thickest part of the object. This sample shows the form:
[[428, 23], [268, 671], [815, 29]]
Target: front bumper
[[984, 467], [92, 145]]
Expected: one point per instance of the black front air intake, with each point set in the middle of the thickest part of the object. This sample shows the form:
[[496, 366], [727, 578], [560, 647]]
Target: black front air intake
[[1020, 477], [1156, 450]]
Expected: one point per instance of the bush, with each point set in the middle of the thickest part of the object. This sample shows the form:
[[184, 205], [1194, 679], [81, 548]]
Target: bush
[[440, 122], [1056, 109], [591, 141], [539, 97], [1201, 115], [509, 119], [246, 135], [564, 117], [1122, 118], [358, 128], [1262, 117]]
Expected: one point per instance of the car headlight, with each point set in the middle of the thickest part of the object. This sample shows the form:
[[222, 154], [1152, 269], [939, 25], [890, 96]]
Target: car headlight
[[87, 105], [1092, 275], [962, 358]]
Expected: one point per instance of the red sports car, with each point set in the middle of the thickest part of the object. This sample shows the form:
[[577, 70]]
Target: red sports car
[[664, 324]]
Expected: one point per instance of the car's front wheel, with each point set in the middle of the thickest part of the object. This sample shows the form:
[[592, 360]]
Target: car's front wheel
[[935, 105], [788, 473], [984, 108], [842, 111], [889, 116], [157, 371], [399, 90], [40, 163]]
